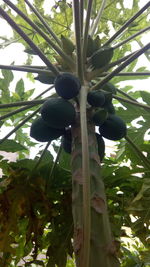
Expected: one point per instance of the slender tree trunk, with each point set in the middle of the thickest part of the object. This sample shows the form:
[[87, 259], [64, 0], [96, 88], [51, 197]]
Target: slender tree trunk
[[103, 248]]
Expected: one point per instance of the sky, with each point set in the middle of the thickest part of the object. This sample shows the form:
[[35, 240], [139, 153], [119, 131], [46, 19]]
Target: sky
[[8, 55]]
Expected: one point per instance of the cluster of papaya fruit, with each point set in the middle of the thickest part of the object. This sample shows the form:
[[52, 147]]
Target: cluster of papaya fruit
[[97, 57], [58, 114]]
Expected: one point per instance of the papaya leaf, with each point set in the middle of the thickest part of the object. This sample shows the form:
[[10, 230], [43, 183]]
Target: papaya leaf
[[145, 96], [20, 88], [11, 146]]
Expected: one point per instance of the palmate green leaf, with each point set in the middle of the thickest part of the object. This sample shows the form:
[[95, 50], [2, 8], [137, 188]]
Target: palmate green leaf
[[20, 88], [21, 5], [24, 163], [47, 158], [129, 114], [11, 146], [8, 76], [28, 93], [65, 160], [61, 24], [145, 96], [4, 85]]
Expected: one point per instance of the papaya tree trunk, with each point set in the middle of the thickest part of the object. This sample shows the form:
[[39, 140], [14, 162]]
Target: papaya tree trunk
[[103, 247]]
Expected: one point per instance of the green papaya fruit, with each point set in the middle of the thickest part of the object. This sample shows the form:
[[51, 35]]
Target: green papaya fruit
[[67, 85], [96, 98], [99, 116], [41, 132], [90, 46], [58, 113], [97, 43], [114, 128], [67, 45], [101, 57], [108, 98], [110, 108], [109, 87], [45, 78]]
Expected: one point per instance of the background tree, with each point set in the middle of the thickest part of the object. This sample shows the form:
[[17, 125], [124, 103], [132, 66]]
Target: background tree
[[36, 194]]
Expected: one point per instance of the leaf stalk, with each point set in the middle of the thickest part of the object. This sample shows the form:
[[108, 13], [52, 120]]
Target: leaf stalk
[[29, 41], [135, 103], [100, 12], [121, 67], [127, 23]]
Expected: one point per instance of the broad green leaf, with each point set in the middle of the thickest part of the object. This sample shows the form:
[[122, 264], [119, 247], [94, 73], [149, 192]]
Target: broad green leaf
[[20, 88], [145, 96], [8, 76], [11, 146]]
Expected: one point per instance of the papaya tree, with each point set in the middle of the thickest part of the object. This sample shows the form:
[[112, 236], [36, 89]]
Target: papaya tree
[[72, 205]]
